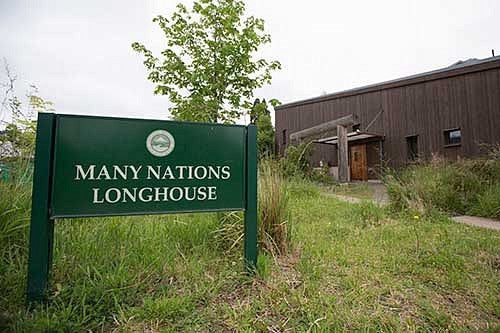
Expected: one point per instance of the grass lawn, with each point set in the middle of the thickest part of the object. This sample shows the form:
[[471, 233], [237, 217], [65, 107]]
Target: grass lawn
[[352, 268]]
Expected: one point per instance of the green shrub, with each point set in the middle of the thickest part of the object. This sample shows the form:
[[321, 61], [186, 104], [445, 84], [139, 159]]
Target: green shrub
[[296, 163], [460, 187], [487, 203], [322, 176]]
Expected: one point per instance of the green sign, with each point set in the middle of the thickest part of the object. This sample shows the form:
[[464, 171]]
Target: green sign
[[100, 166]]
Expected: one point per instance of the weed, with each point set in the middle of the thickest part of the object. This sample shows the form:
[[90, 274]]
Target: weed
[[366, 214], [264, 263]]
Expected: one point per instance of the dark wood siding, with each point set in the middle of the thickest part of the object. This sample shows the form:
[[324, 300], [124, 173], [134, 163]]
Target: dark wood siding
[[469, 100]]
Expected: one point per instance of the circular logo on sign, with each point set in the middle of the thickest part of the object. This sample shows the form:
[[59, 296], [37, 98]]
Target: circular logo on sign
[[160, 143]]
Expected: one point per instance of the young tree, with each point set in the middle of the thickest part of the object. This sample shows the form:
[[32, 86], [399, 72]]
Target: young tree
[[265, 135], [258, 108], [261, 116], [208, 68]]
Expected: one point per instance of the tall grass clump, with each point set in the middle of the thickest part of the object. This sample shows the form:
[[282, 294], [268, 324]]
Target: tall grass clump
[[274, 217], [15, 206], [458, 187], [274, 211]]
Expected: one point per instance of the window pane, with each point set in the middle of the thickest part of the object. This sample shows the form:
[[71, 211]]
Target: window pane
[[453, 136]]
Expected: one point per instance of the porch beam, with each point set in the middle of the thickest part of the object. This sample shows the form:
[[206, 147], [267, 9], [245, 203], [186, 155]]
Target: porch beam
[[324, 127]]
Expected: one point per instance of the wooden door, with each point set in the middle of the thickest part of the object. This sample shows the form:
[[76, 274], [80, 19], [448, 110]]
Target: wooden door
[[359, 169]]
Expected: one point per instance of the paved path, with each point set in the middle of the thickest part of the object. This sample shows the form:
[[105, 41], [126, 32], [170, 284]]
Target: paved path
[[478, 222], [342, 197], [380, 197], [379, 193]]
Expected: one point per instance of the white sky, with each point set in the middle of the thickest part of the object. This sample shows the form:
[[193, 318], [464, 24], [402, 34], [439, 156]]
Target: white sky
[[78, 52]]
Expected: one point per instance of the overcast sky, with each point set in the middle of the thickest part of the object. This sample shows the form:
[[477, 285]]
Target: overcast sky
[[78, 52]]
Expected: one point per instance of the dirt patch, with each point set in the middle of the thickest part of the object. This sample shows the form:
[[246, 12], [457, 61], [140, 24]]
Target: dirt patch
[[287, 266], [462, 311]]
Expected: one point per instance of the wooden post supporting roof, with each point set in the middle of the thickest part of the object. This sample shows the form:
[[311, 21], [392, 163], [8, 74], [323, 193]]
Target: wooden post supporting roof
[[324, 127], [343, 154], [339, 124]]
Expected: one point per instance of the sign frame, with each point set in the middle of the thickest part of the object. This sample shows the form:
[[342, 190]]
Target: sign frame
[[41, 241]]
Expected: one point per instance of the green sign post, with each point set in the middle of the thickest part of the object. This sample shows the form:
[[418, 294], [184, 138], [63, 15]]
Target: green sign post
[[101, 166]]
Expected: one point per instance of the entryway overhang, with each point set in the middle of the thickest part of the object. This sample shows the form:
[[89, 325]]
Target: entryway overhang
[[352, 137]]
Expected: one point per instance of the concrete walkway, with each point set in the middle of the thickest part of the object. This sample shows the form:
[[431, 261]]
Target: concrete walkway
[[342, 197], [381, 198], [379, 195], [478, 222]]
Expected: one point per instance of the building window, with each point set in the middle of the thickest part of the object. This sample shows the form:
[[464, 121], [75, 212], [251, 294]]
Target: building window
[[356, 156], [452, 137], [412, 147], [284, 137]]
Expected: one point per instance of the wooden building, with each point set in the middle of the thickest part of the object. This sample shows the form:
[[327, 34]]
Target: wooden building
[[448, 112]]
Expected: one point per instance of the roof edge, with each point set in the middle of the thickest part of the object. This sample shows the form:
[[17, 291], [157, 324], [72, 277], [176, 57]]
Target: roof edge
[[450, 71]]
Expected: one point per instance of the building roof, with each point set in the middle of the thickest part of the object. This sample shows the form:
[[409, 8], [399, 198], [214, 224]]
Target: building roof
[[458, 68]]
